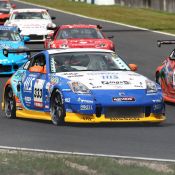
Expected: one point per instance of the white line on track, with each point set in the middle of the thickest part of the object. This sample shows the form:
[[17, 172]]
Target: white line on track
[[90, 154], [112, 22], [84, 154]]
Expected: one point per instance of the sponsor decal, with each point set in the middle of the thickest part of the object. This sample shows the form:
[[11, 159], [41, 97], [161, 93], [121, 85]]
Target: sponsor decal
[[27, 65], [72, 76], [18, 74], [110, 76], [157, 106], [87, 118], [47, 86], [84, 101], [27, 99], [123, 118], [47, 106], [86, 107], [54, 80], [67, 100], [69, 110], [95, 86], [66, 90], [38, 104], [119, 99], [38, 93], [121, 93], [19, 108], [115, 82], [28, 84], [157, 101]]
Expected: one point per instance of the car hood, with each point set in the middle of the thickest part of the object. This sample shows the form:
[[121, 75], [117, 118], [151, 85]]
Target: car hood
[[11, 44], [107, 79], [11, 57], [83, 42], [30, 24]]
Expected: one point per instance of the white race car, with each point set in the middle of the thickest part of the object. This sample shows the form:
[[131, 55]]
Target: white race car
[[32, 23]]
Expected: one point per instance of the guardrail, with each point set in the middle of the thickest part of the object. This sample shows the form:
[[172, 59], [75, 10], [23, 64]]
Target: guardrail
[[97, 2], [163, 5]]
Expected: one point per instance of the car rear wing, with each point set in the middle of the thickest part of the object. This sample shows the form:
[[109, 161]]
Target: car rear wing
[[160, 42], [17, 51]]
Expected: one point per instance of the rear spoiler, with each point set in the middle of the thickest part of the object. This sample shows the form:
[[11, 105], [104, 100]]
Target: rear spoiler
[[160, 42], [27, 51]]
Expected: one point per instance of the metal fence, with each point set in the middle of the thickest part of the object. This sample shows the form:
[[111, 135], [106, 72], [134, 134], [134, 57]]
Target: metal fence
[[164, 5]]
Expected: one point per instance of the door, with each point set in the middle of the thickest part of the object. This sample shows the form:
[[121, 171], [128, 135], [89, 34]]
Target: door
[[34, 83]]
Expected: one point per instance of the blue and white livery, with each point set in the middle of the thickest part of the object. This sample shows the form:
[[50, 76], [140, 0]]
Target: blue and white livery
[[82, 85]]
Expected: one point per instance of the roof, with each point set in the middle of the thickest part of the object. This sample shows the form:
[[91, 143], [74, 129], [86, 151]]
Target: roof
[[8, 28], [78, 26], [29, 10], [54, 51]]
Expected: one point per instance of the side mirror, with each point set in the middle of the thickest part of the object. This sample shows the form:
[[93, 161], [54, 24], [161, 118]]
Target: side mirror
[[13, 6], [49, 37], [133, 67], [53, 17], [38, 69], [51, 27], [5, 52], [110, 37], [26, 38]]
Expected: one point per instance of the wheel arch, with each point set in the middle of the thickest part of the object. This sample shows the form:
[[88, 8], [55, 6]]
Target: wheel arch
[[4, 93]]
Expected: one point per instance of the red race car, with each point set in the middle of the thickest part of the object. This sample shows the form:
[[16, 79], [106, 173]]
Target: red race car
[[5, 8], [165, 74], [79, 36]]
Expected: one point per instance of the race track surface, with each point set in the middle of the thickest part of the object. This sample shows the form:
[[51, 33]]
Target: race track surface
[[136, 46]]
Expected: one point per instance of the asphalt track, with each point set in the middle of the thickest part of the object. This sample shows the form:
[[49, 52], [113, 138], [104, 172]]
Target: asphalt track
[[136, 46]]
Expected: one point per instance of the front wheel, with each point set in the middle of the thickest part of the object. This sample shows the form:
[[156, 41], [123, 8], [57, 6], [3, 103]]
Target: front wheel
[[10, 103], [57, 108]]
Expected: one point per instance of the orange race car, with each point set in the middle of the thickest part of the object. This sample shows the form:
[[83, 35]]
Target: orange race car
[[5, 8], [165, 74]]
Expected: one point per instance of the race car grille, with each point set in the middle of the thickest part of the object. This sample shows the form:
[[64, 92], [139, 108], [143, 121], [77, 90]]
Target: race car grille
[[5, 68], [36, 37], [124, 112], [3, 20], [4, 12]]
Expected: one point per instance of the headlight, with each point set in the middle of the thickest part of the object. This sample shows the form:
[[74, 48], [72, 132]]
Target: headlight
[[151, 87], [102, 45], [63, 46], [78, 87]]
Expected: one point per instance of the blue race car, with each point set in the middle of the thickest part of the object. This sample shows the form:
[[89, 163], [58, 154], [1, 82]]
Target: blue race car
[[81, 85], [10, 39]]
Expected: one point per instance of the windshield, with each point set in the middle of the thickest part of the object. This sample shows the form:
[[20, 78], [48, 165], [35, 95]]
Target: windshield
[[86, 61], [4, 4], [6, 35], [30, 15], [79, 33]]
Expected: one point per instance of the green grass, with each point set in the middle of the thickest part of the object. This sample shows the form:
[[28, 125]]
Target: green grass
[[146, 18], [30, 163]]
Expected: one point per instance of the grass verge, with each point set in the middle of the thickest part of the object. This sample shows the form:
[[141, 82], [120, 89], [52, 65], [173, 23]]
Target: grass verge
[[146, 18], [29, 163]]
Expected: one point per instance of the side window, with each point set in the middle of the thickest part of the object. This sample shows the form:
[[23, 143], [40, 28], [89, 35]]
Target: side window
[[38, 60], [26, 65], [172, 55]]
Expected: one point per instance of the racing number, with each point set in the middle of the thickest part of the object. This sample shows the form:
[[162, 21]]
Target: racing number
[[38, 93]]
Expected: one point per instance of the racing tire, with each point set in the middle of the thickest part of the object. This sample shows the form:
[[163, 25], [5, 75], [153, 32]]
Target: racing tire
[[10, 103], [57, 109]]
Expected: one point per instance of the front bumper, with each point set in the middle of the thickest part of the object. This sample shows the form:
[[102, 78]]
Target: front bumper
[[8, 69], [79, 118]]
